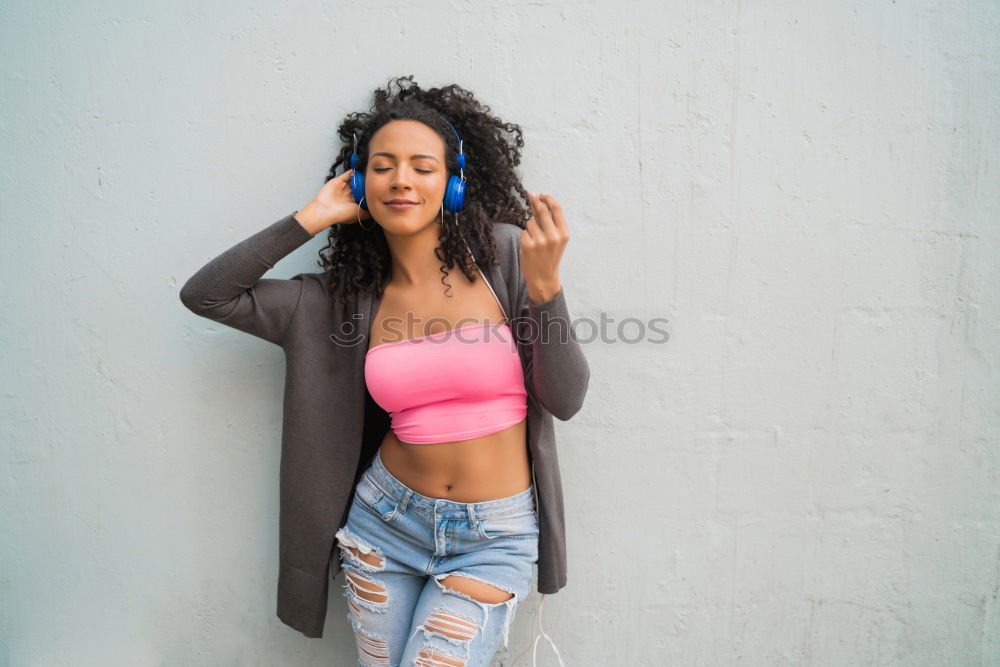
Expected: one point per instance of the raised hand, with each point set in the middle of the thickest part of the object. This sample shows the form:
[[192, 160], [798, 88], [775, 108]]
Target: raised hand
[[333, 205], [542, 244]]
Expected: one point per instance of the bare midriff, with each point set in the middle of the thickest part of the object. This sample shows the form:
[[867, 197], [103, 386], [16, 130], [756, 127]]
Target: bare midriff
[[475, 470], [489, 467]]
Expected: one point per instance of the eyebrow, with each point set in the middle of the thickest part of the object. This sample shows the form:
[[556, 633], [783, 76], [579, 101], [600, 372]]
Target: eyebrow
[[412, 157]]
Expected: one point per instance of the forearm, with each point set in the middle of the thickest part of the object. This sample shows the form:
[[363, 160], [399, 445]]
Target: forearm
[[559, 371], [542, 292], [313, 218]]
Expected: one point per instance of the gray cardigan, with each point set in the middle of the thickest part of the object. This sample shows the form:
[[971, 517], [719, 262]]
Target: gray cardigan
[[331, 427]]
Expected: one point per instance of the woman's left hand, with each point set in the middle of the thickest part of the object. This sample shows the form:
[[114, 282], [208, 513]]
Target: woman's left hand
[[542, 244]]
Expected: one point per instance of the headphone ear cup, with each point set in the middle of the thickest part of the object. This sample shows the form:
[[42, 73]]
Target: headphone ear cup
[[454, 195], [358, 189]]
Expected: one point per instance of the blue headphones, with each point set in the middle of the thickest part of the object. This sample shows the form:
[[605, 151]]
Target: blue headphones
[[454, 192]]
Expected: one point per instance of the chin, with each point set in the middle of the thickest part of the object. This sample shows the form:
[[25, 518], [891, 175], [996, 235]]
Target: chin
[[404, 222]]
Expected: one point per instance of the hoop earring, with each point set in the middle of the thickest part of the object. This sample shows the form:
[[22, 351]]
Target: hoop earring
[[367, 229]]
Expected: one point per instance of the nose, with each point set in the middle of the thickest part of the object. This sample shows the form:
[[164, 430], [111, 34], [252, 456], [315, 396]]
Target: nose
[[400, 181]]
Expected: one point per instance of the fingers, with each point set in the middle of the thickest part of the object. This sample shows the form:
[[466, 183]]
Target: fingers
[[532, 226], [555, 213], [548, 218]]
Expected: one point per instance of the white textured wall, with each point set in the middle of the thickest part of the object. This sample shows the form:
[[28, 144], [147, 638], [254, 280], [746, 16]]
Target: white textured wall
[[805, 474]]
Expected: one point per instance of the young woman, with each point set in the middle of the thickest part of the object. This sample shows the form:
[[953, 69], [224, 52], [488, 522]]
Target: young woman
[[461, 500]]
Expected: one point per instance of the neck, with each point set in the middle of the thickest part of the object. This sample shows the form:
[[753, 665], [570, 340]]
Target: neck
[[413, 261]]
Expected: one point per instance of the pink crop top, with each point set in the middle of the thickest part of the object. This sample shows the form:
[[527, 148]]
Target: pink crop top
[[450, 385]]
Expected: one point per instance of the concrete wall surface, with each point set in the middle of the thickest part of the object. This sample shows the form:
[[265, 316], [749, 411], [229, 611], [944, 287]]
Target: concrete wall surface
[[804, 473]]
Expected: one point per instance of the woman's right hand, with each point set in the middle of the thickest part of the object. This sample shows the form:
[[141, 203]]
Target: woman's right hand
[[333, 205]]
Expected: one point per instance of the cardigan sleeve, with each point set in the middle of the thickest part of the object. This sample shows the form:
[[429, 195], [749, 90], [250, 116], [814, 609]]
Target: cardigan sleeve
[[556, 373], [556, 367], [229, 289]]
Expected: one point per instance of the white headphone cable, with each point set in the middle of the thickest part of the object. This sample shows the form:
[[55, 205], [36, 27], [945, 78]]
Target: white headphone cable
[[534, 644]]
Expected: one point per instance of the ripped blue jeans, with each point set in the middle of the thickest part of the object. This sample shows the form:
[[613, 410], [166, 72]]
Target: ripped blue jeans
[[402, 553]]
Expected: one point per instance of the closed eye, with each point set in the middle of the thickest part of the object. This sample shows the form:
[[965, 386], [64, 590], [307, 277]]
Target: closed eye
[[380, 170]]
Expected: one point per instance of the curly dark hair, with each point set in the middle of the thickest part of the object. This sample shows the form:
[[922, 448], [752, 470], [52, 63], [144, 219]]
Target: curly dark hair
[[493, 191]]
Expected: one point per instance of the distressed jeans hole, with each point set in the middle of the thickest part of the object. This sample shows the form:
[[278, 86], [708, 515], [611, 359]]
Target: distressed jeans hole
[[366, 588], [372, 558], [372, 651], [354, 608], [449, 624], [359, 551], [432, 657], [475, 589]]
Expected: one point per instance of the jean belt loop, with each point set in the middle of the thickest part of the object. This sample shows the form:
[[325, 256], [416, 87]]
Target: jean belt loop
[[473, 520], [406, 499]]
